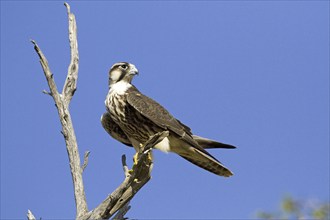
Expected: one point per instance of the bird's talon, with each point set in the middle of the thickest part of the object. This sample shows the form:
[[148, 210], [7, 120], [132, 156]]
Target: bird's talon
[[135, 159], [149, 155]]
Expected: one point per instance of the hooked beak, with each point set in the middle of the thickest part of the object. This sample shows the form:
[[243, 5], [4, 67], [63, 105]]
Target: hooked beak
[[133, 70]]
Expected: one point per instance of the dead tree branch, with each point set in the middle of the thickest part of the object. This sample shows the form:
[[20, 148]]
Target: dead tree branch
[[134, 180], [62, 102], [30, 216], [85, 160], [122, 212]]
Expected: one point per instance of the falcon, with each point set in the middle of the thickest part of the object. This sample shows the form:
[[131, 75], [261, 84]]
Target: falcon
[[132, 118]]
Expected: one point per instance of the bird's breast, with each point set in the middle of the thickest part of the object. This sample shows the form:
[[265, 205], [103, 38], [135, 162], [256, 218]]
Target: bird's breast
[[134, 124], [116, 104]]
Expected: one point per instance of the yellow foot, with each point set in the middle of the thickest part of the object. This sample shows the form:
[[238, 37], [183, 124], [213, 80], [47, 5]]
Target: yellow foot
[[150, 156], [135, 158]]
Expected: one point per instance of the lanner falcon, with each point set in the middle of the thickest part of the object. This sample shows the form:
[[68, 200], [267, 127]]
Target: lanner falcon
[[132, 118]]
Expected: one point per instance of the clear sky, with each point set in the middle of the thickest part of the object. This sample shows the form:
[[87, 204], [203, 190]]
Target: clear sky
[[250, 73]]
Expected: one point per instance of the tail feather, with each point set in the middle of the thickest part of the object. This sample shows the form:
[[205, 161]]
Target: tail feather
[[208, 144], [208, 163], [191, 150]]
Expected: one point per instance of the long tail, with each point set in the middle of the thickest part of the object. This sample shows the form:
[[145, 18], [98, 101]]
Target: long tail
[[207, 143], [207, 162], [196, 154]]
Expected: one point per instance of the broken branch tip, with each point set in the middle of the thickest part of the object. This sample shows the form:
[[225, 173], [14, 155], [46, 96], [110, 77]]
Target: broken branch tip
[[67, 7]]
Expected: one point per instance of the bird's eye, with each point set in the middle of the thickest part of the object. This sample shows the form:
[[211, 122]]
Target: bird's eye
[[123, 66]]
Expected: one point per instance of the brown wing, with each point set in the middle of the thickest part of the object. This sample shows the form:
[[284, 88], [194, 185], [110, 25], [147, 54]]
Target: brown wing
[[161, 117], [155, 112], [191, 150], [114, 130]]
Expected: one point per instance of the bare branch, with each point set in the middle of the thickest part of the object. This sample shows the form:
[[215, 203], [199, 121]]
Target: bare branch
[[122, 212], [46, 92], [62, 102], [47, 72], [70, 84], [85, 161], [30, 216], [125, 167], [135, 179]]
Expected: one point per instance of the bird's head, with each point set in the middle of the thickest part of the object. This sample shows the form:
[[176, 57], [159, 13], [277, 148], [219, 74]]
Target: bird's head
[[122, 71]]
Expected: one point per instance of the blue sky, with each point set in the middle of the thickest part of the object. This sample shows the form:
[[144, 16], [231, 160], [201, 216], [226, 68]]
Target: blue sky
[[250, 73]]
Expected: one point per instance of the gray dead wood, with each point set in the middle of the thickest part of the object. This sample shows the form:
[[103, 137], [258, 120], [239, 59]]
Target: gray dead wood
[[62, 102], [30, 216], [134, 180], [122, 212]]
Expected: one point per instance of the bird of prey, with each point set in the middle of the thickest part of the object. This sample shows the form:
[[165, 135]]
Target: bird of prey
[[132, 118]]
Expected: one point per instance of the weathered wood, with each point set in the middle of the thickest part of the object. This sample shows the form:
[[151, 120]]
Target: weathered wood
[[30, 216], [70, 84], [86, 155], [134, 180], [122, 212], [62, 102]]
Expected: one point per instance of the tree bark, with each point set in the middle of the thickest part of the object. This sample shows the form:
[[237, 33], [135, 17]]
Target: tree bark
[[62, 102], [134, 180]]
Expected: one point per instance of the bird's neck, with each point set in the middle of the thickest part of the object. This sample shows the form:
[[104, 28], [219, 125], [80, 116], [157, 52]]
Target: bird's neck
[[120, 87]]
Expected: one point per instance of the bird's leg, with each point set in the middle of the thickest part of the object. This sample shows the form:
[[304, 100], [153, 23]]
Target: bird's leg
[[135, 162], [135, 158], [150, 156]]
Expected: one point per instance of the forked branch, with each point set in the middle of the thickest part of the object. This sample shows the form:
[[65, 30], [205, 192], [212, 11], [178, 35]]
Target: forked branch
[[62, 102], [134, 180]]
